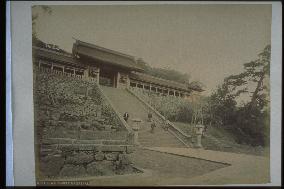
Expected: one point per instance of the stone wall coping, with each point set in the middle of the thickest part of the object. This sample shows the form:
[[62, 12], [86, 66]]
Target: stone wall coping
[[76, 140]]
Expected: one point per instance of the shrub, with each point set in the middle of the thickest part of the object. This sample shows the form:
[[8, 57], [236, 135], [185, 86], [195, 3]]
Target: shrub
[[173, 108]]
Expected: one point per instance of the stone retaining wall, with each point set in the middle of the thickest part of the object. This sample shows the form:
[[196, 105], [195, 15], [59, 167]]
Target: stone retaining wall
[[77, 132], [69, 161]]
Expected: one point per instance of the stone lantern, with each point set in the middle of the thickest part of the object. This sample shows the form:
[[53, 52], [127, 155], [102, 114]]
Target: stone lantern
[[199, 131], [136, 127]]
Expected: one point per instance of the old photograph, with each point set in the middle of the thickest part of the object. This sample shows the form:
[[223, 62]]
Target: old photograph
[[151, 95]]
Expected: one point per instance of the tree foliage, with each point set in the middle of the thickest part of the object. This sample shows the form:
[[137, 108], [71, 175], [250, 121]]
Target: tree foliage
[[37, 10], [249, 122]]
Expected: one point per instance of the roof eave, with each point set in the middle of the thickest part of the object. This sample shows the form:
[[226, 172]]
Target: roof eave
[[113, 64]]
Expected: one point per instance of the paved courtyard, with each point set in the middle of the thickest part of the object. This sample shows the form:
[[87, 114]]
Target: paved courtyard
[[186, 166], [243, 169]]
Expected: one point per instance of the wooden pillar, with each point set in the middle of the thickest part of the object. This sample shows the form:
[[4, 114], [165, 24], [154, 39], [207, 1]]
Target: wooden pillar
[[128, 81], [117, 79], [98, 76], [86, 72]]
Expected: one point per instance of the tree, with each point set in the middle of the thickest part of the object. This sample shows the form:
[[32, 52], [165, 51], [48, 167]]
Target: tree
[[250, 122], [257, 70], [36, 11], [222, 106], [254, 74]]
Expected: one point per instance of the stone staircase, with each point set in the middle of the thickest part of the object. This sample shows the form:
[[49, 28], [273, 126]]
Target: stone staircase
[[160, 138], [124, 101]]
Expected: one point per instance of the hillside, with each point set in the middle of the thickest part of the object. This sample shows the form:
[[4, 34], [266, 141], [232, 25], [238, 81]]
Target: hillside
[[179, 111], [220, 139]]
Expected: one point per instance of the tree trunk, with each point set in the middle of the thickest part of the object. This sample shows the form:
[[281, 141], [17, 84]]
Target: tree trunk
[[254, 96]]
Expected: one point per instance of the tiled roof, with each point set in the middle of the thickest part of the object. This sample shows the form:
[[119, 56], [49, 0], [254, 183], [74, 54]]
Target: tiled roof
[[66, 58], [107, 56], [159, 81]]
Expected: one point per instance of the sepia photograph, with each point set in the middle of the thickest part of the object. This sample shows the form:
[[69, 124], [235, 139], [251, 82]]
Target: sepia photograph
[[151, 95]]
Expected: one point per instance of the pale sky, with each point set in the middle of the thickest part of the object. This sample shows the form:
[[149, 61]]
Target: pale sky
[[209, 42]]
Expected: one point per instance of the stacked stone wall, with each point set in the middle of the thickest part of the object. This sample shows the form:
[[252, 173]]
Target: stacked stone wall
[[60, 109], [77, 132], [72, 162]]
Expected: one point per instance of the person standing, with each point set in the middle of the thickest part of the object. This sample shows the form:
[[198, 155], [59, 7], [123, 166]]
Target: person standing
[[150, 117], [153, 125], [126, 116], [167, 125]]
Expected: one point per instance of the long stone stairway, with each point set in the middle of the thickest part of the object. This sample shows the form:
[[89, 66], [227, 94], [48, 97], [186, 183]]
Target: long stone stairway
[[124, 101]]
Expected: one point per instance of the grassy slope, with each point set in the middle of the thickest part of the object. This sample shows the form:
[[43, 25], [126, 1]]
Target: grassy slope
[[221, 140]]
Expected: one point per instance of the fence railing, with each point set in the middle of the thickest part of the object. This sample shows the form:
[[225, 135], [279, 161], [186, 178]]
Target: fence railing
[[61, 73]]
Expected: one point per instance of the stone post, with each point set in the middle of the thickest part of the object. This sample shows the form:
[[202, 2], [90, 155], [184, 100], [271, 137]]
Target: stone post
[[199, 130], [135, 128]]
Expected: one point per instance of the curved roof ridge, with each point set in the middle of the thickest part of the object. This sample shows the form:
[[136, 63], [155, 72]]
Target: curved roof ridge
[[105, 49], [56, 52]]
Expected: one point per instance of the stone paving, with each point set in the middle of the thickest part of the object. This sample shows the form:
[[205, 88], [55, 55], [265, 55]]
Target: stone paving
[[158, 168], [243, 169], [240, 169]]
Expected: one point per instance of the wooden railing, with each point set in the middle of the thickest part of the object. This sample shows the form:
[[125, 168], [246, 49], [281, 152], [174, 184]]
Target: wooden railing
[[57, 72]]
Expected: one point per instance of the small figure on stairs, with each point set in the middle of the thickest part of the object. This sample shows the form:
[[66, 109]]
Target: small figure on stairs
[[166, 124], [149, 117], [153, 125], [126, 116]]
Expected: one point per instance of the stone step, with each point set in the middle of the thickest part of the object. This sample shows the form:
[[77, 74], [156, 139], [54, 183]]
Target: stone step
[[137, 109], [155, 136], [160, 141], [160, 144]]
